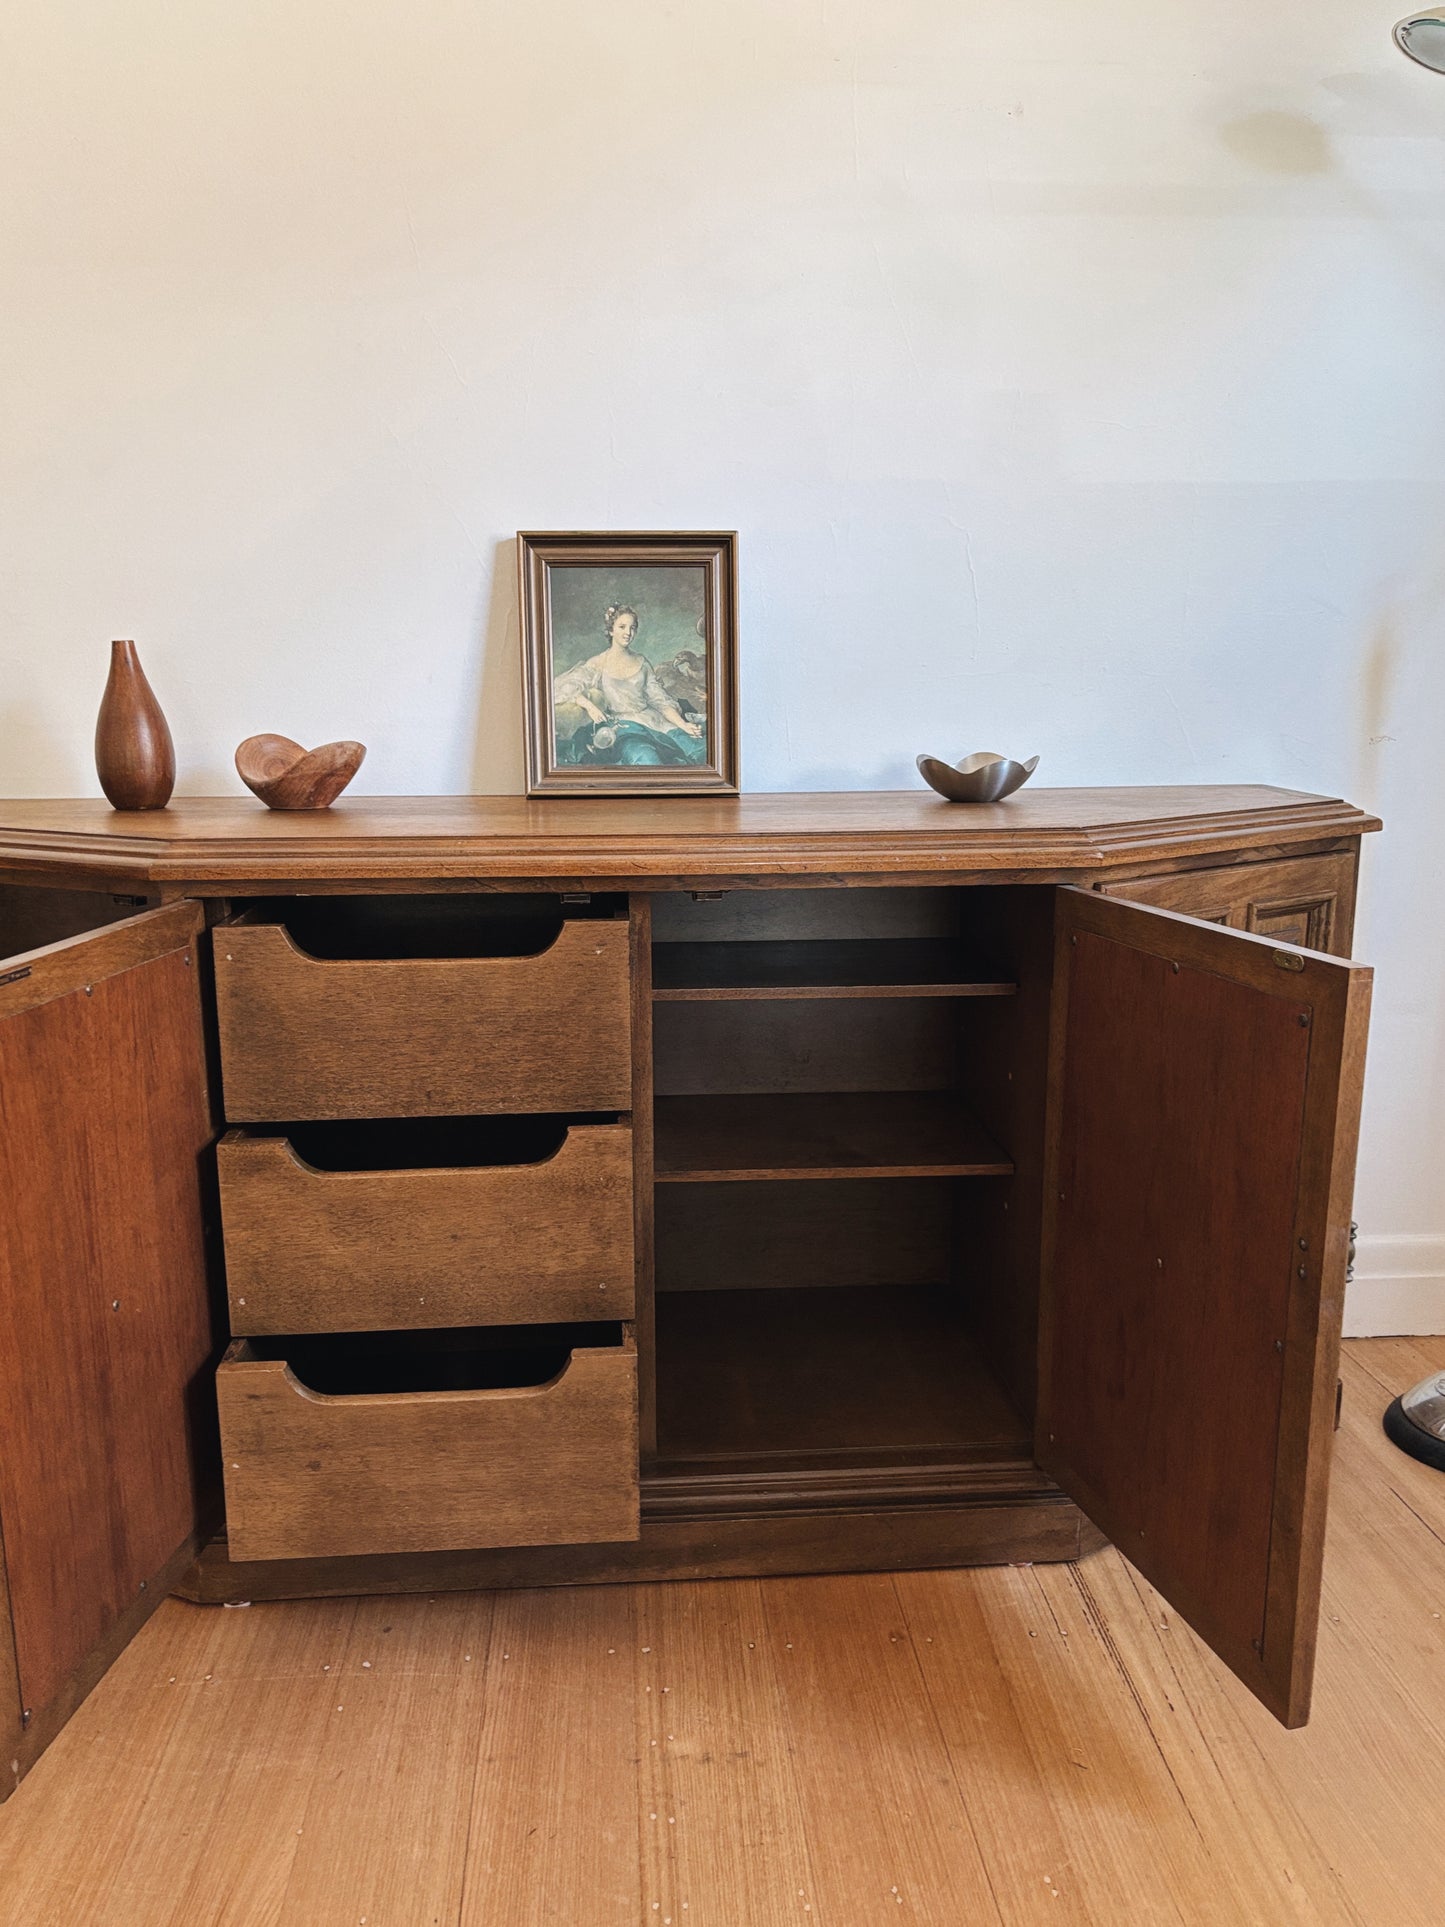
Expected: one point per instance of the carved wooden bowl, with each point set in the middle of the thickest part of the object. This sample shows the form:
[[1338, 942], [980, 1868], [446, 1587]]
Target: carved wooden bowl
[[287, 777], [982, 778]]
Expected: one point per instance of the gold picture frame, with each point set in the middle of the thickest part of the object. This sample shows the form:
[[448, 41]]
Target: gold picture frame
[[592, 606]]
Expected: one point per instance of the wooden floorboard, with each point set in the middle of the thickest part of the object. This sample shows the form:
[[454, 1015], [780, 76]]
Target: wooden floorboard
[[1008, 1745]]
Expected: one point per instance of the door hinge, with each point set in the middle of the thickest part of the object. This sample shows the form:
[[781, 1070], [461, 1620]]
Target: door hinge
[[1339, 1401]]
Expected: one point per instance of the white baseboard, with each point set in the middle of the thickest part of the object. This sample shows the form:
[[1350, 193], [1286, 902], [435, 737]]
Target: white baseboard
[[1398, 1289]]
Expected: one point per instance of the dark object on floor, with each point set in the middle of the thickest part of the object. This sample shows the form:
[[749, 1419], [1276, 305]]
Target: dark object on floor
[[1416, 1421]]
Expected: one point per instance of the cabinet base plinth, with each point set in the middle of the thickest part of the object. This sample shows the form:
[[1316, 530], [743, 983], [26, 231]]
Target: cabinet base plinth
[[913, 1538]]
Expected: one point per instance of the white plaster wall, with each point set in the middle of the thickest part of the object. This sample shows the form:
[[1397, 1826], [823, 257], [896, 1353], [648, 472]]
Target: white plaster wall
[[1070, 372]]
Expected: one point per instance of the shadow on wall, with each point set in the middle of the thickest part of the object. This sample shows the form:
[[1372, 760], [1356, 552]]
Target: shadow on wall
[[1278, 143], [1377, 675], [497, 760], [1397, 695]]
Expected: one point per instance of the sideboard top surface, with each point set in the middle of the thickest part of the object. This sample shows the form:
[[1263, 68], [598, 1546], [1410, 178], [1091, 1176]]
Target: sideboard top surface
[[227, 843]]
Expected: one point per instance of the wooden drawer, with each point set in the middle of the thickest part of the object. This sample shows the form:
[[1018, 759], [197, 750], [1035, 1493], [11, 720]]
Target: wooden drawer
[[313, 1475], [434, 1243], [305, 1036], [1308, 900]]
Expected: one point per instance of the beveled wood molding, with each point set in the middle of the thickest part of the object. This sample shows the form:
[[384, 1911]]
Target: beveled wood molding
[[212, 845]]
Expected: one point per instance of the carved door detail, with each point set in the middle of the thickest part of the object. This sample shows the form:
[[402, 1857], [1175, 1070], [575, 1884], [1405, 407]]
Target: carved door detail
[[1303, 900]]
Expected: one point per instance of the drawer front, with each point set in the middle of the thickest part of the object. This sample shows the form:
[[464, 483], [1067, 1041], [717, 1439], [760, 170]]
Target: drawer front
[[1307, 900], [510, 1244], [310, 1476], [306, 1037]]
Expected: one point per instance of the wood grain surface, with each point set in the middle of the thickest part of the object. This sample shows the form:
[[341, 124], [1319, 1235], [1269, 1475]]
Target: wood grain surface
[[314, 1476], [1202, 1143], [643, 1222], [31, 917], [1307, 900], [887, 1370], [304, 1038], [287, 777], [1017, 1747], [1005, 1048], [135, 758], [231, 844], [849, 1135], [312, 1250], [105, 1316], [67, 964], [820, 912], [736, 1048], [708, 972], [1004, 1521], [832, 1232]]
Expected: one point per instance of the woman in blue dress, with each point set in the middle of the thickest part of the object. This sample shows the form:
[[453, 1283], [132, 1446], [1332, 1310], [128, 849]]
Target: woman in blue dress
[[631, 717]]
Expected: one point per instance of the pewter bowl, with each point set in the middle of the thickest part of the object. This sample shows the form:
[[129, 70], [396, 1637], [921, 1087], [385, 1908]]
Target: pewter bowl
[[984, 777]]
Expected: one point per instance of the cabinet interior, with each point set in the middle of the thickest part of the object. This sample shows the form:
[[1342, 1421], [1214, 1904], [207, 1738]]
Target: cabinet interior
[[846, 1129], [30, 918]]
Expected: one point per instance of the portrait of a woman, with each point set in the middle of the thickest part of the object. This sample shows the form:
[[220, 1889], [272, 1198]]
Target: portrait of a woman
[[629, 662], [628, 717]]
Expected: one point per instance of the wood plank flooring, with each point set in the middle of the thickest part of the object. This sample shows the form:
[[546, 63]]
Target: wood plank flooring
[[1006, 1745]]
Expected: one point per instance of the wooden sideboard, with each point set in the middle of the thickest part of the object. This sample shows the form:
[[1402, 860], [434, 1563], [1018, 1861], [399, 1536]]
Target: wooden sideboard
[[489, 1192]]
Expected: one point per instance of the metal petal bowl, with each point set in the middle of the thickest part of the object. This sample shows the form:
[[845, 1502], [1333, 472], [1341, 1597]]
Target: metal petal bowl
[[984, 777]]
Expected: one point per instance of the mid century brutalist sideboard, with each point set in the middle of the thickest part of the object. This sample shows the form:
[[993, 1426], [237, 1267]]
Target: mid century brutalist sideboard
[[484, 1192]]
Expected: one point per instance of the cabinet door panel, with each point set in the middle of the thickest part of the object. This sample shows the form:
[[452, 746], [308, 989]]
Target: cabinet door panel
[[105, 1321], [1203, 1116], [1307, 900]]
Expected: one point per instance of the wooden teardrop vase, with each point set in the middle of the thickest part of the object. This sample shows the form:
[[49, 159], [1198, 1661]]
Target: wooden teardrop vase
[[135, 758]]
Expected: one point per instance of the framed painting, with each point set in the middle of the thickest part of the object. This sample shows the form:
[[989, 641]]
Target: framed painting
[[629, 649]]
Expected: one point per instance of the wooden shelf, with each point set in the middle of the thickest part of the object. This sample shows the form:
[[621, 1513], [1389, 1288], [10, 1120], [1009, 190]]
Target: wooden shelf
[[853, 1134], [825, 1376], [865, 967]]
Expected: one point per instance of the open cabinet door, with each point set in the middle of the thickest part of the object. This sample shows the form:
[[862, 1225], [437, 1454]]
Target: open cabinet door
[[1204, 1101], [105, 1319]]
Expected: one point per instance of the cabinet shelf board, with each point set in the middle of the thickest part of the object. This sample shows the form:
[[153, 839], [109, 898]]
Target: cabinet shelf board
[[852, 1134], [862, 967]]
